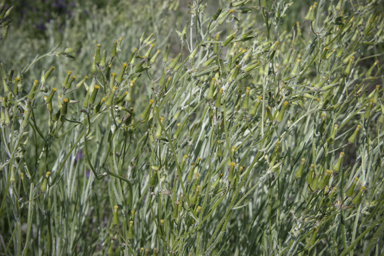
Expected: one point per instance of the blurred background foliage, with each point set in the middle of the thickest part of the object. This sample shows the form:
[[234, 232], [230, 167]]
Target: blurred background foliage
[[81, 24]]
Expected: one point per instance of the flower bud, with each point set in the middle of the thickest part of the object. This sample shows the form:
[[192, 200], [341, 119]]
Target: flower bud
[[94, 93], [158, 130], [148, 39], [86, 100], [332, 137], [282, 111], [216, 45], [209, 61], [263, 3], [309, 15], [369, 72], [131, 59], [314, 182], [235, 73], [192, 55], [241, 52], [2, 117], [211, 89], [336, 167], [120, 76], [114, 219], [339, 5], [12, 178], [56, 116], [376, 94], [314, 234], [295, 67], [98, 106], [165, 56], [109, 101], [254, 109], [191, 171], [43, 185], [269, 113], [112, 81], [231, 172], [216, 15], [321, 83], [175, 212], [48, 73], [196, 180], [224, 16], [198, 209], [121, 98], [351, 188], [113, 53], [246, 99], [7, 118], [32, 91], [324, 54], [168, 82], [153, 59], [153, 180], [23, 181], [93, 69], [354, 37], [174, 61], [229, 39], [97, 56], [218, 100], [68, 85], [195, 196], [367, 113], [50, 96], [145, 115], [298, 36], [330, 54], [178, 130], [81, 82], [348, 58], [357, 198], [300, 170], [148, 53], [64, 108], [353, 136], [181, 203], [325, 180], [103, 57], [348, 68], [130, 230], [331, 195], [250, 67]]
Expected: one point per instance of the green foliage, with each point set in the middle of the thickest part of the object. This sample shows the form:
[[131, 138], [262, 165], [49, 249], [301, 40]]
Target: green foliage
[[247, 139], [5, 21]]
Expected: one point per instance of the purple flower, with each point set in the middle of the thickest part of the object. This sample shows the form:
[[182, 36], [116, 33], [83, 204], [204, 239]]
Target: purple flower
[[79, 156], [41, 26]]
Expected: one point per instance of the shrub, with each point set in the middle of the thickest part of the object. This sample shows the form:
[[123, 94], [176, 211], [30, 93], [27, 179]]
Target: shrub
[[250, 140]]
